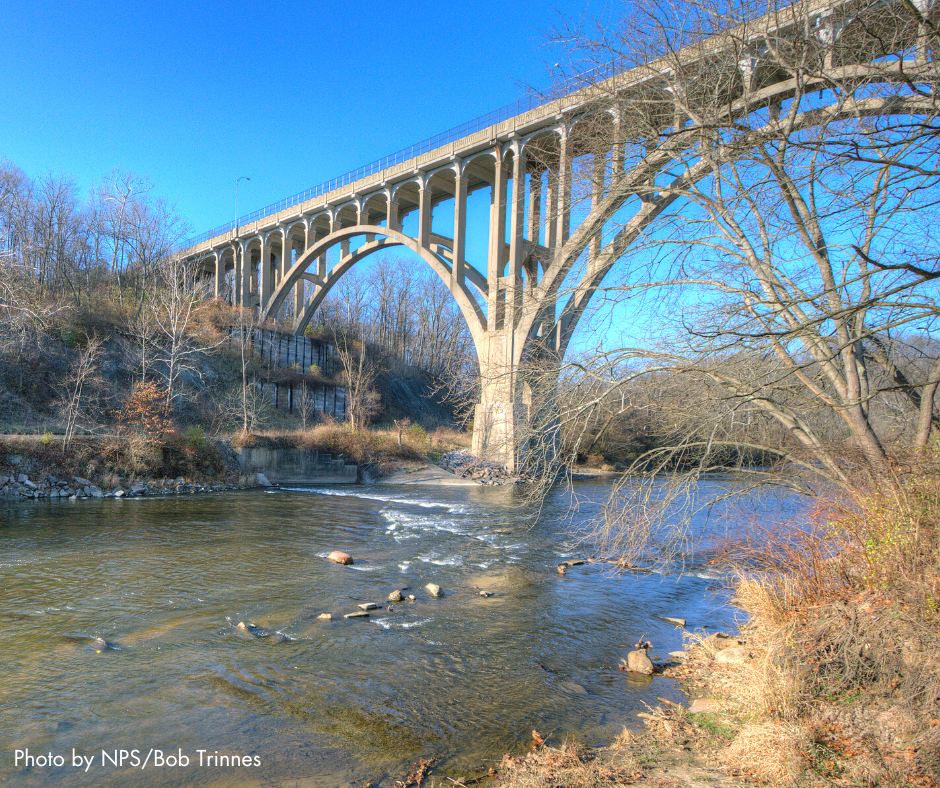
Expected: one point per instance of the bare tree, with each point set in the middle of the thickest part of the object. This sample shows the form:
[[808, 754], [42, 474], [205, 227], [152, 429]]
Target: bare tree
[[116, 199], [174, 299], [358, 377], [406, 313], [81, 378], [400, 426], [306, 405], [246, 402], [763, 205]]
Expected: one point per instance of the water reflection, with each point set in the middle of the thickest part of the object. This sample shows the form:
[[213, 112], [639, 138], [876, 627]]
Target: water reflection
[[164, 583]]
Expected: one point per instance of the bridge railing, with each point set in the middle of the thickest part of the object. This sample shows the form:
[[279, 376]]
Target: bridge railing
[[529, 102]]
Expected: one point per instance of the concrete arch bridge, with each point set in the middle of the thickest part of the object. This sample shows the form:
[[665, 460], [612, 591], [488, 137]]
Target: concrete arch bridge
[[556, 173]]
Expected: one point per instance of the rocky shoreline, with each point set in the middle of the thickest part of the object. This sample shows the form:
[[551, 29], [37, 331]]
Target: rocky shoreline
[[465, 465], [19, 487], [678, 747]]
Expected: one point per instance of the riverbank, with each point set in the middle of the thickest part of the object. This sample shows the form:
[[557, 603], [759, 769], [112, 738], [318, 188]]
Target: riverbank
[[116, 467], [676, 748], [834, 679], [727, 736]]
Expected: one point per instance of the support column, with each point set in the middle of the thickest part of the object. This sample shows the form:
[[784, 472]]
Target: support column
[[499, 419], [597, 194], [496, 296], [535, 204], [245, 276], [287, 250], [923, 44], [516, 234], [299, 289], [284, 267], [501, 416], [337, 224], [219, 274], [264, 272], [237, 266], [617, 158], [551, 209], [460, 224], [321, 265], [564, 188], [392, 221], [363, 218], [424, 214]]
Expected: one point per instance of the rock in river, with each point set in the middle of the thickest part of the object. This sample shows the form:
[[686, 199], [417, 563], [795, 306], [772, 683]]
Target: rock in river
[[395, 596], [434, 589], [339, 557], [638, 660], [679, 622]]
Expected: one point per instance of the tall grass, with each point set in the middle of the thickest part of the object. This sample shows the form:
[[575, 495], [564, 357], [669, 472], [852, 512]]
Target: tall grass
[[844, 631]]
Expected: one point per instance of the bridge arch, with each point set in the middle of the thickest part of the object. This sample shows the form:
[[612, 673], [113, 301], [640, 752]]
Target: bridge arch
[[558, 336], [382, 238]]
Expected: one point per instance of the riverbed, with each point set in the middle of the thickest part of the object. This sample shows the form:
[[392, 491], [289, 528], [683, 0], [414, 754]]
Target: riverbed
[[120, 622]]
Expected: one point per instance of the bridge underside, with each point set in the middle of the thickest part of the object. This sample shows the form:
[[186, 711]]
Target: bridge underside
[[571, 185]]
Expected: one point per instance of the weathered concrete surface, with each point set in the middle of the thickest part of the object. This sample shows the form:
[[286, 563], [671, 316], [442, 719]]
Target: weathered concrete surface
[[295, 466], [429, 474]]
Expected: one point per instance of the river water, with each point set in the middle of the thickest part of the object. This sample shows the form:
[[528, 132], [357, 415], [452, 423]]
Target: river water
[[301, 701]]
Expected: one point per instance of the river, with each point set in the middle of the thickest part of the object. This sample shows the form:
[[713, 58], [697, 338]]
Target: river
[[302, 701]]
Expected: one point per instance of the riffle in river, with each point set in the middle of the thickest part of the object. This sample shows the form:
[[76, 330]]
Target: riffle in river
[[190, 628]]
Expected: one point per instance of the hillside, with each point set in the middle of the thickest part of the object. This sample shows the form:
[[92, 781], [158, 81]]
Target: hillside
[[40, 367]]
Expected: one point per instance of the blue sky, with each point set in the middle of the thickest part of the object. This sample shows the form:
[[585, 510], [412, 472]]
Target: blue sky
[[192, 95]]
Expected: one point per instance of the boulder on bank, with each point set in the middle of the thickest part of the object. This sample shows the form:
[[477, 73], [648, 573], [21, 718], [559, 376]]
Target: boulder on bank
[[736, 655], [250, 480], [339, 557], [720, 641], [704, 706]]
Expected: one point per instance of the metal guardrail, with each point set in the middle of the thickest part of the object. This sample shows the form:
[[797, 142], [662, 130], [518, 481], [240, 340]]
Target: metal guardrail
[[518, 107]]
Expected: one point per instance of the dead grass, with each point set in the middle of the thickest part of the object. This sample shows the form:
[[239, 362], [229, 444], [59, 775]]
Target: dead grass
[[843, 683], [569, 765], [360, 446], [445, 439], [768, 752]]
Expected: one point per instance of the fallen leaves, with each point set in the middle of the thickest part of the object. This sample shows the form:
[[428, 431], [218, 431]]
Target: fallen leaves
[[418, 774]]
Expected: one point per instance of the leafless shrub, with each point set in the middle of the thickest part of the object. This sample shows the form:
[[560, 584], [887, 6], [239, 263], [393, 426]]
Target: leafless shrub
[[81, 379]]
